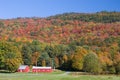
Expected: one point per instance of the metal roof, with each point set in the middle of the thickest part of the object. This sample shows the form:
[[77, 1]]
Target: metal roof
[[22, 66]]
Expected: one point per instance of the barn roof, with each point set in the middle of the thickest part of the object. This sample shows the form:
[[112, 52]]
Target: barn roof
[[36, 67], [22, 66]]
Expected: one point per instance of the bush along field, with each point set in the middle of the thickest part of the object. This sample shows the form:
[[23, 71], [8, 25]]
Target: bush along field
[[69, 42]]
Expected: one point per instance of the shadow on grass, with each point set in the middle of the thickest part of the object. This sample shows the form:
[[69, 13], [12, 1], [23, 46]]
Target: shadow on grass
[[5, 71]]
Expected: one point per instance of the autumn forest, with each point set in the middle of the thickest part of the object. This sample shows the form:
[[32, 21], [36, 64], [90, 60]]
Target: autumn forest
[[88, 42]]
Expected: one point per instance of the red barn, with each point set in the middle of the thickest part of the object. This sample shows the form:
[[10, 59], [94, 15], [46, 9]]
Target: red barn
[[23, 68], [41, 69]]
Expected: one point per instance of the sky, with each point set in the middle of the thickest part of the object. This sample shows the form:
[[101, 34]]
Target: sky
[[44, 8]]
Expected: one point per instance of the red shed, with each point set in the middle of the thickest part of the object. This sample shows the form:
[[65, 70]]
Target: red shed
[[41, 69], [23, 68]]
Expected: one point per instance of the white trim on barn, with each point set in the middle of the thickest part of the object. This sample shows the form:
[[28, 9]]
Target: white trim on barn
[[41, 69], [36, 67]]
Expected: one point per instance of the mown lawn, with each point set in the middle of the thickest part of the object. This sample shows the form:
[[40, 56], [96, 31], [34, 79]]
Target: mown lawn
[[54, 76]]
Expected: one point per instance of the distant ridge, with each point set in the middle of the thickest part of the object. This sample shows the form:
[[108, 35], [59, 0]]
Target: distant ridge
[[103, 16]]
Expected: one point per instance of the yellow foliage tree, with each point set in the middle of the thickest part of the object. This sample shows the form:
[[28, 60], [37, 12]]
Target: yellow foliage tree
[[77, 61], [56, 62], [35, 57], [43, 63], [65, 58]]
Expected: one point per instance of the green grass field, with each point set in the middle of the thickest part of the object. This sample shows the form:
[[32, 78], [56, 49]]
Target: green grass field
[[54, 76]]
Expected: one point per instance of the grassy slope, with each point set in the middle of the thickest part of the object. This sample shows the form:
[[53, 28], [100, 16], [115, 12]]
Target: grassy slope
[[54, 76]]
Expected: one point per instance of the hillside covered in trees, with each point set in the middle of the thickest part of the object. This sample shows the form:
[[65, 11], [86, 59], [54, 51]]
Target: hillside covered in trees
[[71, 41]]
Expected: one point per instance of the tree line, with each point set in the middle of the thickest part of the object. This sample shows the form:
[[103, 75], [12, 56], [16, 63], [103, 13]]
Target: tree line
[[74, 56]]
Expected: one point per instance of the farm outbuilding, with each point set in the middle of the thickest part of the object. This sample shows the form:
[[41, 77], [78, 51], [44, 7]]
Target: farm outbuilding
[[23, 68], [41, 69]]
